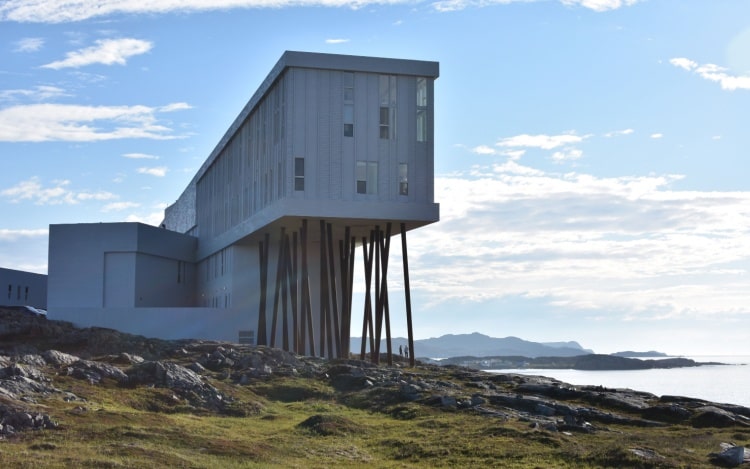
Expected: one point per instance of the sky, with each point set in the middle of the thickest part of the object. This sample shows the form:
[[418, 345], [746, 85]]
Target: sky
[[591, 156]]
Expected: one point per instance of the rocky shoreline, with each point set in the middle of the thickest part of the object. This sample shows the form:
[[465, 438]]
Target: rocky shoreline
[[34, 352]]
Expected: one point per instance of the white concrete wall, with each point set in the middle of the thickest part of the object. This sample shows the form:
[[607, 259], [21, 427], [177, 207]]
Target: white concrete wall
[[18, 288], [164, 323], [118, 265]]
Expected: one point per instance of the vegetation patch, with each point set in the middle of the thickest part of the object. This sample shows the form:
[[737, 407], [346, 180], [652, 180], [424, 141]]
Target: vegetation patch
[[330, 425]]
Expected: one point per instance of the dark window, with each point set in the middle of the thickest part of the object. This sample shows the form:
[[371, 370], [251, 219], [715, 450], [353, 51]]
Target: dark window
[[403, 179], [299, 174], [26, 294]]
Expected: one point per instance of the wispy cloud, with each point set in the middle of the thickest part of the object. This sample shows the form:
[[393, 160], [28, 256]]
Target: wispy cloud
[[61, 122], [158, 171], [336, 41], [619, 133], [45, 11], [140, 156], [511, 230], [545, 142], [567, 154], [657, 135], [119, 206], [15, 235], [29, 44], [38, 93], [59, 193], [595, 5], [714, 73], [106, 51]]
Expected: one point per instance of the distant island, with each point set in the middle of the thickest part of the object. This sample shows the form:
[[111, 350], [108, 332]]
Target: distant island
[[482, 352], [631, 354], [590, 362]]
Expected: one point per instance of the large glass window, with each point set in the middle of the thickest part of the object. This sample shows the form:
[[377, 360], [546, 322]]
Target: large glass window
[[388, 101], [367, 177], [348, 120], [421, 109], [299, 174], [348, 104], [403, 178]]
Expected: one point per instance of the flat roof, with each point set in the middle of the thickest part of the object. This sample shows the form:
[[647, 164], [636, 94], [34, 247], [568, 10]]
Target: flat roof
[[316, 60]]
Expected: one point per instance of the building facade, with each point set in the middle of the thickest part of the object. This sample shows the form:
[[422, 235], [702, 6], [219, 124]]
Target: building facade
[[23, 288], [333, 154]]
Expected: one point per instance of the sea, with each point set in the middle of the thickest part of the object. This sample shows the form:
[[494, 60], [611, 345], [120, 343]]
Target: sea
[[727, 384]]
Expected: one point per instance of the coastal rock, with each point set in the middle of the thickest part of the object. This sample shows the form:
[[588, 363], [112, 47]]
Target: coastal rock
[[730, 456]]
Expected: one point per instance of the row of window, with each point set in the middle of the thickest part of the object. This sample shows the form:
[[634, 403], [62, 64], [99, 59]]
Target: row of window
[[366, 180], [18, 292], [388, 106]]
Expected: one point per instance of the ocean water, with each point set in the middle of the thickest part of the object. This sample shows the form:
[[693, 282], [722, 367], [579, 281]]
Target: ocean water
[[728, 384]]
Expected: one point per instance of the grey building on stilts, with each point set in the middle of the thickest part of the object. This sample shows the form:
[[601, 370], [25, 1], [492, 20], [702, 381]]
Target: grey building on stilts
[[331, 159]]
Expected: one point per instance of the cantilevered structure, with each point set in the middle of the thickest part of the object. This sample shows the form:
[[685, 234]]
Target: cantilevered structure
[[332, 156]]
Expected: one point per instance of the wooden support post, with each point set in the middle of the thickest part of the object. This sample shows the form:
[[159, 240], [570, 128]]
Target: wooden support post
[[307, 322], [279, 277], [296, 332], [263, 257], [284, 294], [407, 294], [333, 294], [385, 250], [367, 321], [378, 304]]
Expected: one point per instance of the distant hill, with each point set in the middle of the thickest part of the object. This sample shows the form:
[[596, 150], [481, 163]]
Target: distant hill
[[631, 354], [480, 345]]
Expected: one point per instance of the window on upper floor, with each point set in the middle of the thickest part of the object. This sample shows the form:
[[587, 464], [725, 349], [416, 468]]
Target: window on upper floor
[[403, 179], [348, 79], [388, 100], [299, 174], [367, 177], [10, 290], [421, 109]]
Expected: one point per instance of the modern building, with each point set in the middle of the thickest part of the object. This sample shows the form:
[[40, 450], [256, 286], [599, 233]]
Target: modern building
[[332, 155], [23, 288]]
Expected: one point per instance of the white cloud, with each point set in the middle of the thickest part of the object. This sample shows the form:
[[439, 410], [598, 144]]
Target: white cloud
[[545, 142], [73, 123], [158, 171], [140, 156], [106, 51], [567, 154], [618, 133], [657, 135], [514, 231], [15, 235], [683, 63], [38, 93], [46, 11], [715, 73], [59, 193], [484, 150], [336, 41], [600, 5], [119, 206], [29, 44]]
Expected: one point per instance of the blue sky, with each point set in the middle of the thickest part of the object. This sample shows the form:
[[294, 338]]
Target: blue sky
[[591, 155]]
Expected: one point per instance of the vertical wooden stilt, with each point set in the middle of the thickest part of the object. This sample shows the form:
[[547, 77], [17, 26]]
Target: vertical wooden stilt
[[293, 290], [307, 322], [333, 294], [279, 277], [367, 326], [263, 257], [385, 250], [407, 294], [286, 261]]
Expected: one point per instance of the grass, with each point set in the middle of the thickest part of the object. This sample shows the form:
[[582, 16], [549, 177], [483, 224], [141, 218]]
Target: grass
[[298, 422]]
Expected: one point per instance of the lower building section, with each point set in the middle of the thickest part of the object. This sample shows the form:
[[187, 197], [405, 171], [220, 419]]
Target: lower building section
[[288, 285], [19, 288], [231, 325]]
